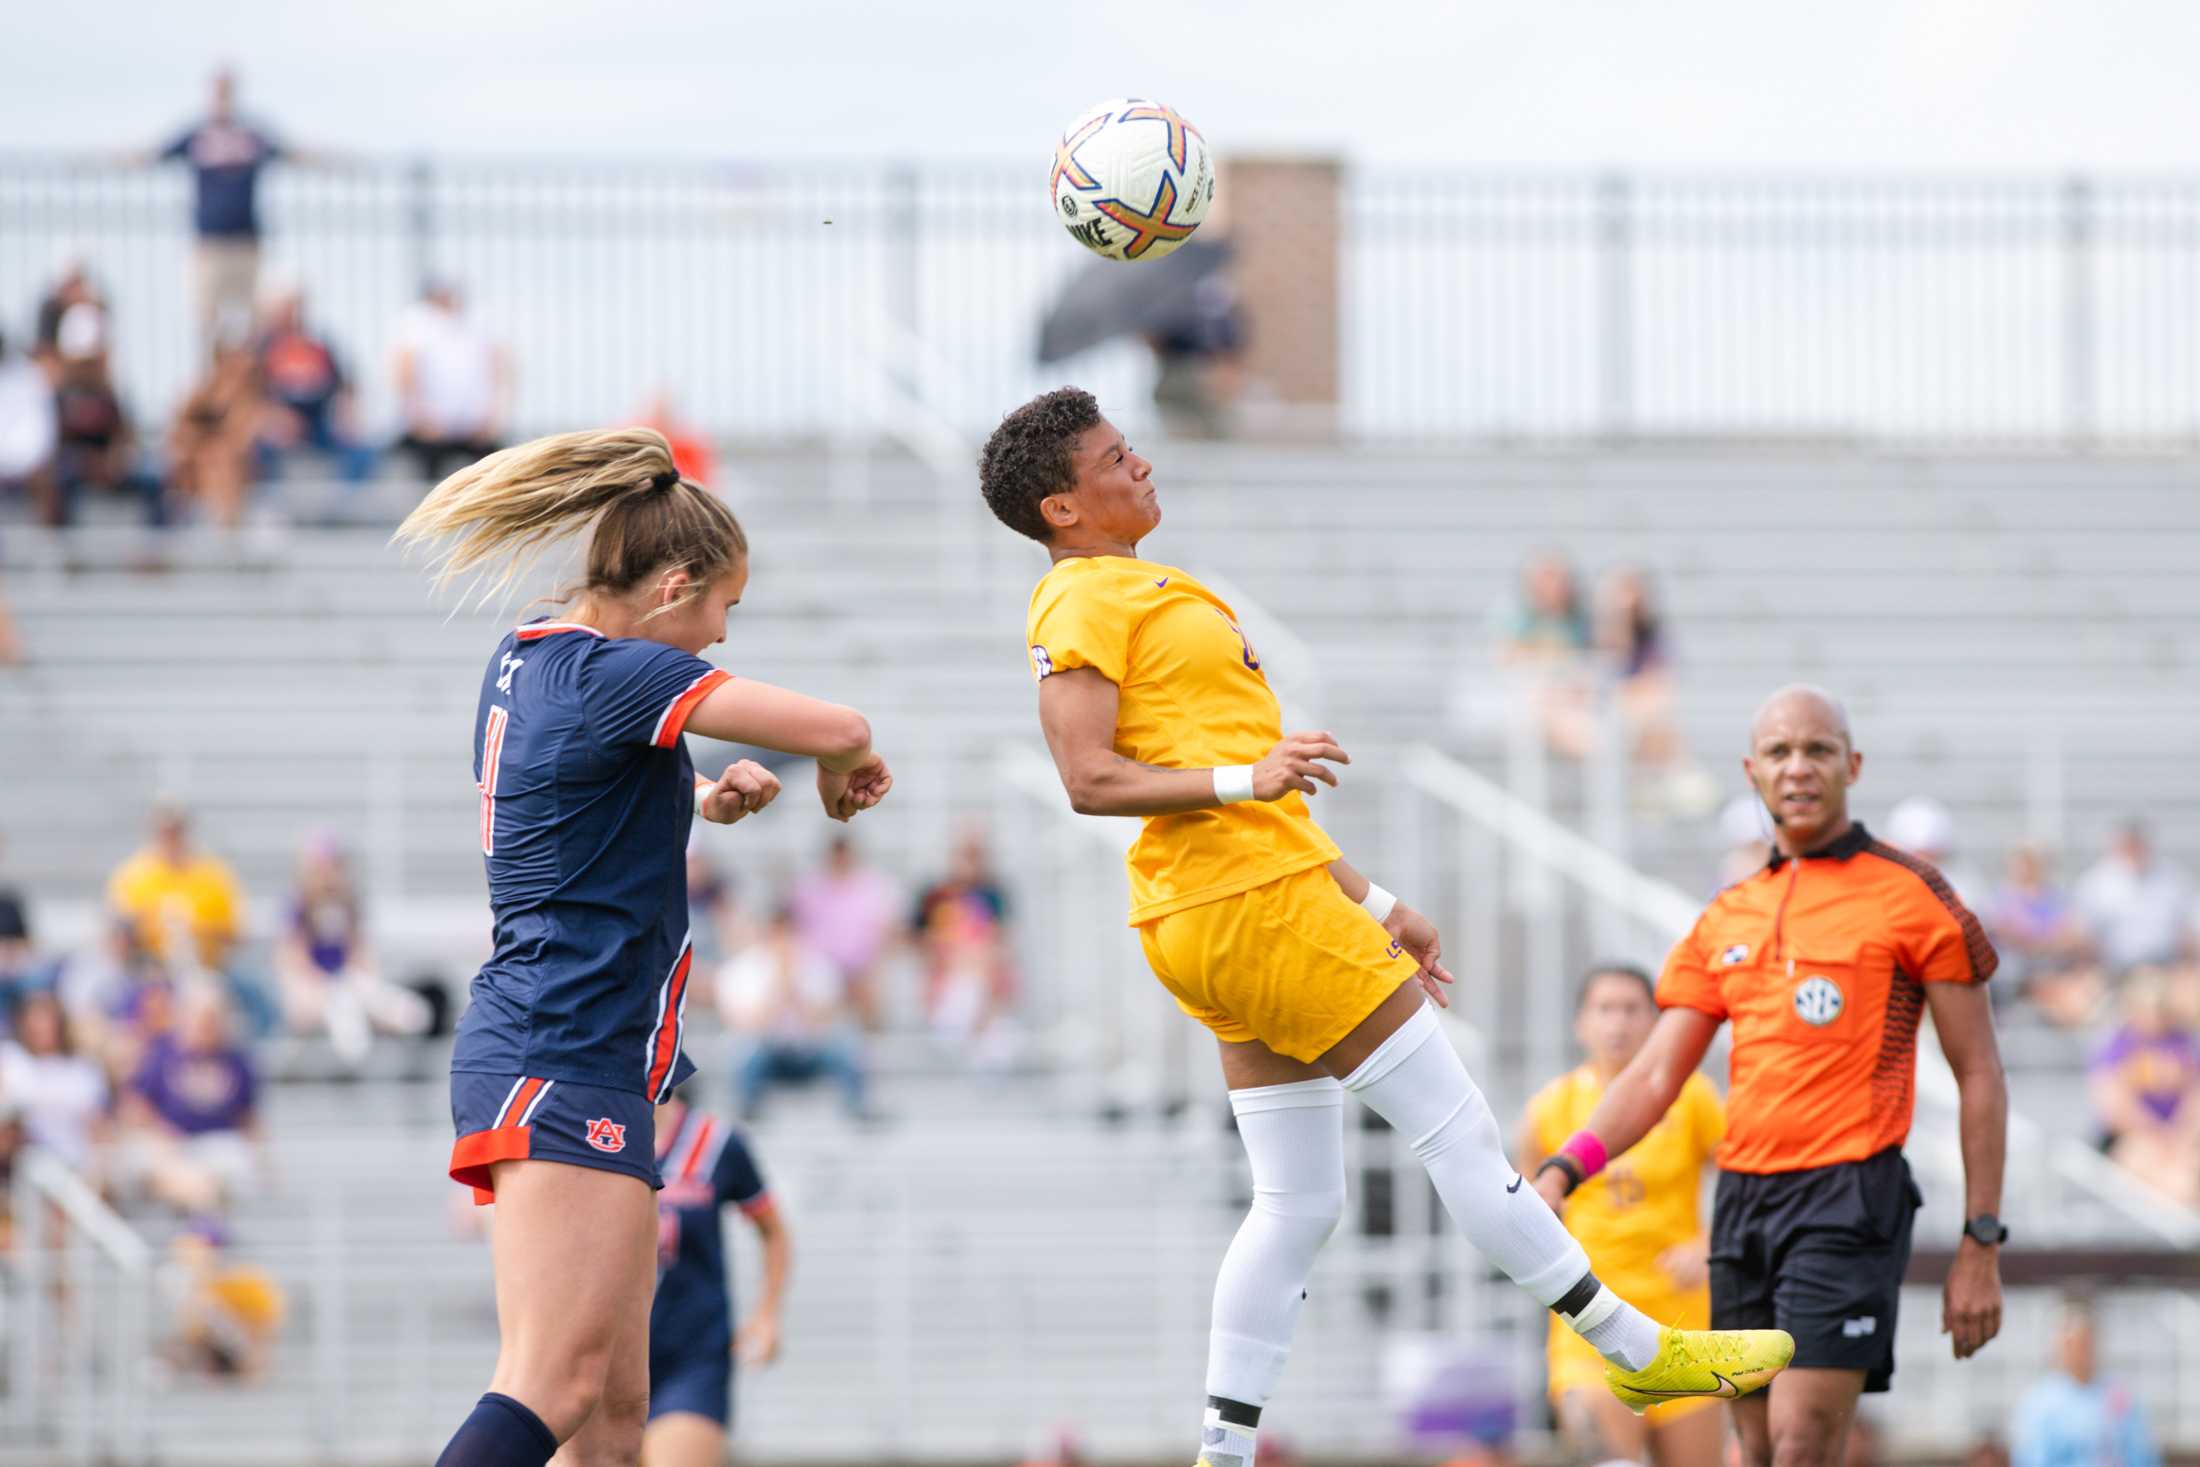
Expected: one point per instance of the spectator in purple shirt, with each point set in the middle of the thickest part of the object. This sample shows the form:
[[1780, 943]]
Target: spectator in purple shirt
[[325, 968], [847, 912], [2145, 1079], [226, 154], [191, 1110]]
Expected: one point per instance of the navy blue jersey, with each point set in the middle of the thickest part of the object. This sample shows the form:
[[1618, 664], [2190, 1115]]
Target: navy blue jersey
[[706, 1166], [586, 799]]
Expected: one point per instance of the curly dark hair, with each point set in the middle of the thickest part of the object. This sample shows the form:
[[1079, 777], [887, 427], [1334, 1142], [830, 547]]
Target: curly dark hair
[[1028, 457]]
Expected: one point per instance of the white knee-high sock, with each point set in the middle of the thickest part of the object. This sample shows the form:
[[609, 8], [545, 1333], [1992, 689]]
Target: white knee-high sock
[[1294, 1138], [1416, 1082]]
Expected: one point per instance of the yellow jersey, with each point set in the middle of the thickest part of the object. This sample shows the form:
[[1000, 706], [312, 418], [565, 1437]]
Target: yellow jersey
[[1192, 696], [200, 898], [1647, 1200]]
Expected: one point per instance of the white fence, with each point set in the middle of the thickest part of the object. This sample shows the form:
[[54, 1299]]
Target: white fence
[[1951, 310]]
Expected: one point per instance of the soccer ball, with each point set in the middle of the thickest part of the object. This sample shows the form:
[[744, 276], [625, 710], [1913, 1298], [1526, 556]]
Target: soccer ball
[[1131, 179]]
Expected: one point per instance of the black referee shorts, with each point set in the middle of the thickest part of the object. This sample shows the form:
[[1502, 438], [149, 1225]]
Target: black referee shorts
[[1819, 1253]]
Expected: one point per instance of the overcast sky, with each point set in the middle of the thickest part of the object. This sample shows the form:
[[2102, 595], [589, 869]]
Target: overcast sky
[[2003, 84]]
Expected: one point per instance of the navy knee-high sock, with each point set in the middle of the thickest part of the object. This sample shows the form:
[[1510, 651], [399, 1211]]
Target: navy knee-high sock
[[500, 1433]]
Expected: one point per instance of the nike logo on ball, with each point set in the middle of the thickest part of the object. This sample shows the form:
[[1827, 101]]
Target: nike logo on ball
[[1515, 1183]]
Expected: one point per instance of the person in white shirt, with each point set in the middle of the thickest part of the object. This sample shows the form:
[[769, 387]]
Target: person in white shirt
[[787, 1006], [2137, 907], [454, 383], [61, 1094]]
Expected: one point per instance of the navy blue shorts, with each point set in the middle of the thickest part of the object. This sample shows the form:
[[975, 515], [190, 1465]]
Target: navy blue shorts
[[693, 1381], [508, 1117]]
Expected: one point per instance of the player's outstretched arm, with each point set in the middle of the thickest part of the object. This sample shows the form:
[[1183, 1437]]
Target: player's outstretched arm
[[1077, 708], [1963, 1017], [743, 711], [1644, 1091]]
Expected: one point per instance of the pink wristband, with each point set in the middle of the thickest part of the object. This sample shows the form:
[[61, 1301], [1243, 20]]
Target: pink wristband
[[1584, 1147]]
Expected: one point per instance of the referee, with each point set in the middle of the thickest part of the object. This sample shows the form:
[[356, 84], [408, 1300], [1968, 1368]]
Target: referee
[[1823, 961]]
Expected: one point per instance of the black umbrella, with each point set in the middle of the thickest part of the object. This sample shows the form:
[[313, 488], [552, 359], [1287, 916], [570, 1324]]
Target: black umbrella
[[1139, 298]]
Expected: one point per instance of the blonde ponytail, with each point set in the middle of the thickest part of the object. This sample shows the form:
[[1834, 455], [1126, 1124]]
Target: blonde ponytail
[[500, 513]]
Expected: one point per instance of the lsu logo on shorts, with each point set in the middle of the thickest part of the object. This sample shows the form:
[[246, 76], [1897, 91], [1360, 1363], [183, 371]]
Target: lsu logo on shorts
[[523, 1117]]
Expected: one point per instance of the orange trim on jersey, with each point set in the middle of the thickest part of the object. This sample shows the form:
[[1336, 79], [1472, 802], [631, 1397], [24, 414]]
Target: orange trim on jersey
[[694, 1159], [473, 1154], [665, 1047], [552, 628], [680, 709]]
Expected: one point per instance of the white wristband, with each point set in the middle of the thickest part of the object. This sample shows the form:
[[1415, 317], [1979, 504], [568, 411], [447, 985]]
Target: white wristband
[[1233, 783], [1378, 902], [702, 793]]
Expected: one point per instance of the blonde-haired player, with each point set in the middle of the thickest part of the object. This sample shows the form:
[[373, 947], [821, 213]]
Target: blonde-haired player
[[1309, 975], [1640, 1221], [573, 1036]]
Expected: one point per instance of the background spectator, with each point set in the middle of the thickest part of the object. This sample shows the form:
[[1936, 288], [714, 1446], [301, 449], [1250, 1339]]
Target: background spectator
[[2137, 908], [715, 921], [969, 979], [13, 1142], [1637, 662], [847, 912], [190, 1116], [17, 956], [72, 288], [787, 1007], [2145, 1082], [1924, 827], [2042, 941], [183, 904], [227, 1313], [96, 445], [1541, 637], [454, 383], [2072, 1418], [29, 435], [1746, 830], [226, 154], [211, 440], [61, 1093], [692, 453], [310, 400], [326, 975]]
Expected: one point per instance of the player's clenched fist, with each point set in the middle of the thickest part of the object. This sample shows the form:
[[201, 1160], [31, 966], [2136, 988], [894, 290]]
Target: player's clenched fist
[[744, 789], [1296, 764]]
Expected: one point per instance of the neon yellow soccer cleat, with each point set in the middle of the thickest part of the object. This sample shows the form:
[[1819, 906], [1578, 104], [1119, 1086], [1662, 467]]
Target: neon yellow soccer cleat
[[1719, 1363]]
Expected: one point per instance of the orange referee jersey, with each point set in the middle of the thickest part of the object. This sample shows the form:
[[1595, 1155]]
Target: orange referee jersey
[[1820, 964]]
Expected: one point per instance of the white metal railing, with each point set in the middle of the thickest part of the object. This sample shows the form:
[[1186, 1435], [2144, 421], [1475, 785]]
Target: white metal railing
[[80, 1320]]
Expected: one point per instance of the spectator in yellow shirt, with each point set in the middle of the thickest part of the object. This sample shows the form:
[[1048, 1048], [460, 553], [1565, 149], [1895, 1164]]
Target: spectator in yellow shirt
[[184, 904]]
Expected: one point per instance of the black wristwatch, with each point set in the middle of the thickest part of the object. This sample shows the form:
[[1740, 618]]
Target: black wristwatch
[[1987, 1229]]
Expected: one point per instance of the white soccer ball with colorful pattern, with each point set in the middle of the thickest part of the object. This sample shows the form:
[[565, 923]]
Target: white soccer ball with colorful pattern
[[1131, 180]]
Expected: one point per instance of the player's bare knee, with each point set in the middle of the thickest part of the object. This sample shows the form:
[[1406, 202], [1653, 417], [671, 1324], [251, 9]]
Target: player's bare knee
[[564, 1390], [1805, 1444]]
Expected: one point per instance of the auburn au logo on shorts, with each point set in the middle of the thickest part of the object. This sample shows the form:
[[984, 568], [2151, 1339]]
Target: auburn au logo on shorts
[[606, 1134]]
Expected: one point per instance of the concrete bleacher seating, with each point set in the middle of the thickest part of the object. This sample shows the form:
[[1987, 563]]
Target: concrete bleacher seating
[[1965, 607]]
